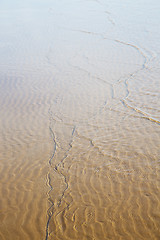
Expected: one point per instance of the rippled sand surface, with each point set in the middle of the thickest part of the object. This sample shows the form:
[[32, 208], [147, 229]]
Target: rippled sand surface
[[79, 120]]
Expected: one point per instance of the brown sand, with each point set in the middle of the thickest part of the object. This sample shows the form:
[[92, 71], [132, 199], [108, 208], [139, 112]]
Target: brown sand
[[80, 121]]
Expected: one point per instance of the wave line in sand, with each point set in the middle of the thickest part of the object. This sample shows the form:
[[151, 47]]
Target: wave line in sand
[[145, 115]]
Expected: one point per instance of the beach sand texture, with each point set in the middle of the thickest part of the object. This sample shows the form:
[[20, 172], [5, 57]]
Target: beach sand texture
[[79, 120]]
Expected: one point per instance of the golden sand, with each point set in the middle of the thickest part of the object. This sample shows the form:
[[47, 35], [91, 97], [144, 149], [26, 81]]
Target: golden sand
[[79, 120]]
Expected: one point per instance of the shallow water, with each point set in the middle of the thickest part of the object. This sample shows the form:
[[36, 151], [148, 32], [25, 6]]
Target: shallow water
[[80, 120]]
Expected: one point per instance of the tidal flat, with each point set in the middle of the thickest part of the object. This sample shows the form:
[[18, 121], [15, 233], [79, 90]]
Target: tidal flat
[[79, 120]]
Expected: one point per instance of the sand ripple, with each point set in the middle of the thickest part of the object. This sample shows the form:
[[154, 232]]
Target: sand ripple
[[79, 125]]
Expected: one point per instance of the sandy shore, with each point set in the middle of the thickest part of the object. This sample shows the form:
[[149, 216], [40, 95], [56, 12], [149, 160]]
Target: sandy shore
[[79, 120]]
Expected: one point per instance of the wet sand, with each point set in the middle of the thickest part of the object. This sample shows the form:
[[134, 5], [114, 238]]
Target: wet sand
[[79, 120]]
